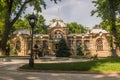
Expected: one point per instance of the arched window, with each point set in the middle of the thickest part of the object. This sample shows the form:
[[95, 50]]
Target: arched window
[[58, 35], [70, 43], [99, 44], [18, 45], [86, 44], [28, 45], [79, 42]]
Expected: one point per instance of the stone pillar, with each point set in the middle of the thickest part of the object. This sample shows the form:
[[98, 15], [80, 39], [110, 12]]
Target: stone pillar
[[50, 47], [92, 45], [25, 45], [74, 45], [83, 39], [0, 53], [83, 42]]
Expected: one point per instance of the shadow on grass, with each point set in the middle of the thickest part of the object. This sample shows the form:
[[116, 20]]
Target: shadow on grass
[[99, 65]]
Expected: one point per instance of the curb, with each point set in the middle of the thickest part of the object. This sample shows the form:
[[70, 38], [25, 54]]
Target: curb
[[69, 72]]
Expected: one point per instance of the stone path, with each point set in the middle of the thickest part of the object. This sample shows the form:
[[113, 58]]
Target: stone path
[[13, 64]]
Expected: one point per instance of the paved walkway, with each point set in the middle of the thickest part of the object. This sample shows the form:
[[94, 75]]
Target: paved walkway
[[15, 63], [8, 71]]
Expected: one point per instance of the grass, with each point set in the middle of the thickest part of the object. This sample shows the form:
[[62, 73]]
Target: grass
[[101, 65], [2, 56]]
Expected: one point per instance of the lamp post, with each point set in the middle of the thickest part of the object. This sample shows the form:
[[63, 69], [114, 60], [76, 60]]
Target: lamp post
[[83, 36], [32, 21], [100, 34], [83, 46]]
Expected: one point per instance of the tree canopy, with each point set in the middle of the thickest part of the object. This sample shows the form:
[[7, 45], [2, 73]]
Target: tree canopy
[[76, 28], [11, 10], [109, 10], [40, 27]]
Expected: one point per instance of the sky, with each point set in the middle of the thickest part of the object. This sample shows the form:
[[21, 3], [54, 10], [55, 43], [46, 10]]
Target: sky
[[71, 11]]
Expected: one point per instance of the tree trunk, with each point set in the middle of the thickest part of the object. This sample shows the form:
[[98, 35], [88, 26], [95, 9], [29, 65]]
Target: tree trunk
[[7, 28], [113, 26], [10, 22]]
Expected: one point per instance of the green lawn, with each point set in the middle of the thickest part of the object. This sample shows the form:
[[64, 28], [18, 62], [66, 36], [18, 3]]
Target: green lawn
[[100, 65], [2, 56]]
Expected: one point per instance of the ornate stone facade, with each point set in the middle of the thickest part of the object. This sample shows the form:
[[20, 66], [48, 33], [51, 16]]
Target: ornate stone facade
[[96, 42]]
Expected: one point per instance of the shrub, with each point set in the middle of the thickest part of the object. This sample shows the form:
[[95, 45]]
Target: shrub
[[63, 50], [79, 50]]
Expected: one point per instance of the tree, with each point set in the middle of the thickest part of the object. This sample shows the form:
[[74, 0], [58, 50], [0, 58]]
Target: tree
[[1, 27], [11, 10], [107, 9], [79, 50], [21, 24], [41, 27], [63, 50], [53, 20], [76, 28], [117, 41]]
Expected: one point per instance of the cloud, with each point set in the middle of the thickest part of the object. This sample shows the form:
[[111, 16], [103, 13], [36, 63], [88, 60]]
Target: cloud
[[71, 11]]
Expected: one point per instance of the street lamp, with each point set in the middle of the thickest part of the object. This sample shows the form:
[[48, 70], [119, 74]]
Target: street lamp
[[100, 33], [83, 45], [32, 21]]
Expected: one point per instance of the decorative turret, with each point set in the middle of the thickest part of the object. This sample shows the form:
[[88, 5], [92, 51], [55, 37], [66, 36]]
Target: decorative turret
[[58, 29], [98, 31], [58, 23]]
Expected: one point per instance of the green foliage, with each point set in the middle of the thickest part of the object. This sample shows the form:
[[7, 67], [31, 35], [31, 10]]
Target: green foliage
[[21, 24], [19, 6], [13, 51], [103, 7], [1, 27], [63, 50], [76, 28], [108, 10], [117, 41], [11, 10], [101, 65], [41, 27], [53, 20], [79, 50], [107, 27]]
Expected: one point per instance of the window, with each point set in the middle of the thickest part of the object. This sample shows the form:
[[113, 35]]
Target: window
[[99, 44], [86, 45], [58, 35], [45, 44], [79, 42], [28, 45], [70, 43], [18, 45]]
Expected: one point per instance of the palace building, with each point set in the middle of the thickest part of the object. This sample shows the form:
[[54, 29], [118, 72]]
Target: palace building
[[94, 42]]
